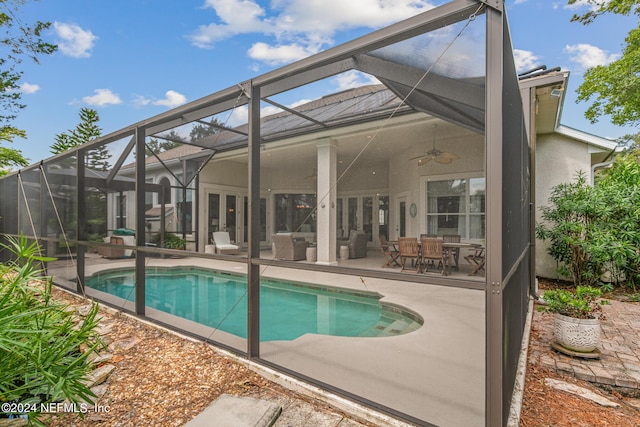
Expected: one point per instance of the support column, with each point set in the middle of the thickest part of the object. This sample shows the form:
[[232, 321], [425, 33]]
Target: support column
[[327, 152], [140, 291], [253, 268], [495, 334], [81, 223]]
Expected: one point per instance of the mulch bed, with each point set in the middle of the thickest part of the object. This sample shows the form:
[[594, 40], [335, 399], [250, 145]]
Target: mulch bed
[[165, 379]]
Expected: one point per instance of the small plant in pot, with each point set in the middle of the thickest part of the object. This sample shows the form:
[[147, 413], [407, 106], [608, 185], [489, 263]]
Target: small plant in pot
[[577, 315], [170, 241]]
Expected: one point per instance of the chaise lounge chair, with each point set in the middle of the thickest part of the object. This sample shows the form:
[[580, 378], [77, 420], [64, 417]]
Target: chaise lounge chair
[[223, 243]]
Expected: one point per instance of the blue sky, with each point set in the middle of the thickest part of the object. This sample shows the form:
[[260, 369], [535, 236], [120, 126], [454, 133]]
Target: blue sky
[[133, 59]]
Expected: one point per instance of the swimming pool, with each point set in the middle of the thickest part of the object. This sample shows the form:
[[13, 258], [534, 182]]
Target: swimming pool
[[288, 309]]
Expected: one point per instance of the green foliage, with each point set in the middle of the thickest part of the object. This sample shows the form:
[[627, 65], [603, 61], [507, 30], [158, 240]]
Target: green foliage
[[571, 215], [202, 130], [40, 357], [11, 158], [19, 41], [85, 131], [171, 241], [597, 229], [619, 192], [583, 303], [166, 143], [614, 87]]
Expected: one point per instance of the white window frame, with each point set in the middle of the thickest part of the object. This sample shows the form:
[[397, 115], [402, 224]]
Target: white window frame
[[424, 200]]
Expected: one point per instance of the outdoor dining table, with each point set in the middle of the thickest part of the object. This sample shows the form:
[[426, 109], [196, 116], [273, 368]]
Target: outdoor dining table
[[445, 246], [452, 245]]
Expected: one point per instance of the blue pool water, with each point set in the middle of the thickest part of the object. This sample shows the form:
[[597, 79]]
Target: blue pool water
[[288, 309]]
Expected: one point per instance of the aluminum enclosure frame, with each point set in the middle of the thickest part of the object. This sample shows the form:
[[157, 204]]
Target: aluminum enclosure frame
[[509, 258]]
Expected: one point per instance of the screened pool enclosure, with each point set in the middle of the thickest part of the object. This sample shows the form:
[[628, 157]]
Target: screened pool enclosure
[[310, 195]]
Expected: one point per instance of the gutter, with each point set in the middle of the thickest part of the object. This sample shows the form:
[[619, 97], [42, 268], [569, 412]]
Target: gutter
[[602, 165]]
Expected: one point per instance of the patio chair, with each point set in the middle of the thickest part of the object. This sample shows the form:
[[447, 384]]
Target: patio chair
[[289, 248], [389, 251], [431, 252], [409, 250], [223, 243], [357, 244], [477, 260], [455, 252]]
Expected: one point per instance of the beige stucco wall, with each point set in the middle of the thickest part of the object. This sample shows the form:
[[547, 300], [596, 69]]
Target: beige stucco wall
[[558, 159]]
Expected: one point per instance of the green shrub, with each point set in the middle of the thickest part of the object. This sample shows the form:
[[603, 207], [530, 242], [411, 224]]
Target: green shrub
[[171, 241], [571, 228], [596, 229], [40, 357]]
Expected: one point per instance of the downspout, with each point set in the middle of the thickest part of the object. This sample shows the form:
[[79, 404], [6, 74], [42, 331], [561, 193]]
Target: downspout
[[601, 165]]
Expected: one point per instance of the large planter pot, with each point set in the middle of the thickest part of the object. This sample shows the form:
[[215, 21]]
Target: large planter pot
[[581, 335]]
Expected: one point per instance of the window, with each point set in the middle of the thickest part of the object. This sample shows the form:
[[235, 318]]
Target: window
[[383, 215], [164, 182], [295, 212], [148, 196], [185, 208], [121, 210], [456, 206]]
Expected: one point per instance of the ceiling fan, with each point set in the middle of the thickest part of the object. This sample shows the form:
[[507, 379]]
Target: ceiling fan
[[439, 156]]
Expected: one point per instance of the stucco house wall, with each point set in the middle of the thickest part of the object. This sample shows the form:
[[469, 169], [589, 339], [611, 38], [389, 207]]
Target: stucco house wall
[[558, 160]]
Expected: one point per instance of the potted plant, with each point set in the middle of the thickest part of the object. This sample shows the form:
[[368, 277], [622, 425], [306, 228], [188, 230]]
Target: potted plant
[[170, 241], [577, 315]]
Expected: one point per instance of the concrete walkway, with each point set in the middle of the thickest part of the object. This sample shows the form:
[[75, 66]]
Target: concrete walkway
[[619, 365]]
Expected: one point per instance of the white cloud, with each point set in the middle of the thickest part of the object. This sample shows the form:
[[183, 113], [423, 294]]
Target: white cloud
[[140, 101], [171, 99], [269, 110], [236, 16], [593, 5], [300, 102], [299, 27], [275, 55], [328, 16], [588, 56], [352, 79], [525, 60], [73, 40], [28, 88], [101, 98]]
